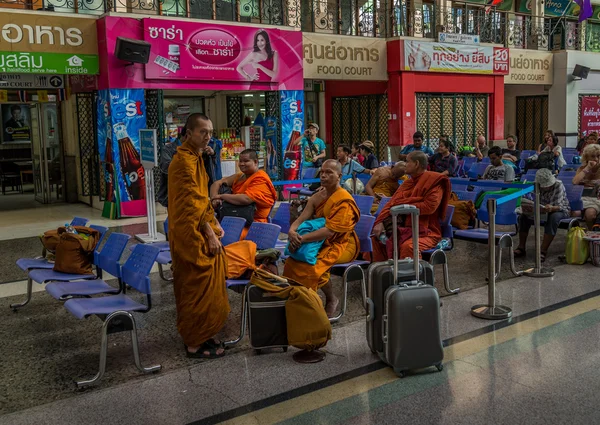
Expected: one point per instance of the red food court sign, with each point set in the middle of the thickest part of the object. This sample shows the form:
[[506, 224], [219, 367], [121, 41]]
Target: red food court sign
[[445, 57], [589, 115]]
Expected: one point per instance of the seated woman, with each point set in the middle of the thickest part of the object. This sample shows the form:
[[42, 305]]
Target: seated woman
[[250, 186], [552, 146], [366, 149], [444, 161], [588, 175], [553, 201]]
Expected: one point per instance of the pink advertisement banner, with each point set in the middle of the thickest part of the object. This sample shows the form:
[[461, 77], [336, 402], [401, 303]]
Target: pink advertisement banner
[[200, 51]]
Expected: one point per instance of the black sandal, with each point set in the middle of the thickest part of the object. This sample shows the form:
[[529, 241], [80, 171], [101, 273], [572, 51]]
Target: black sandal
[[543, 256], [210, 347], [518, 253]]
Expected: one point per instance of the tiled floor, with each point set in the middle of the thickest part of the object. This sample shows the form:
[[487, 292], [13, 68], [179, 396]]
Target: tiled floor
[[535, 369]]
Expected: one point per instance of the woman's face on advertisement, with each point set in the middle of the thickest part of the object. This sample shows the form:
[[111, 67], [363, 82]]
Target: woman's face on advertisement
[[261, 42]]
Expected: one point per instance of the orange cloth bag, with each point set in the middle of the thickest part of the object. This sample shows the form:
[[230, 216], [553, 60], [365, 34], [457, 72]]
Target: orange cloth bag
[[240, 258]]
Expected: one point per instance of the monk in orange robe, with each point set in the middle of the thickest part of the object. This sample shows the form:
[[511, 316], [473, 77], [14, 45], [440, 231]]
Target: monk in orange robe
[[250, 186], [428, 191], [341, 244], [384, 182], [199, 262]]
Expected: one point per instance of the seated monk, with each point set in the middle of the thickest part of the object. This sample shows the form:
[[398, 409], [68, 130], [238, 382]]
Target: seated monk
[[250, 186], [427, 190], [384, 182], [199, 263], [341, 214]]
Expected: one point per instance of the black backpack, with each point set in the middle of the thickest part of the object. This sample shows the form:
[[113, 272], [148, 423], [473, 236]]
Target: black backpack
[[544, 160]]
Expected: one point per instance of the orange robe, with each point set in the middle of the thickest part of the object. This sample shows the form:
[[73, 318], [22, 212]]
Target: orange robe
[[430, 192], [198, 277], [259, 188], [341, 215], [385, 186]]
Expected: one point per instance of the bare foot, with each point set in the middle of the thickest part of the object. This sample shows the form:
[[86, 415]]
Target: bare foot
[[331, 306]]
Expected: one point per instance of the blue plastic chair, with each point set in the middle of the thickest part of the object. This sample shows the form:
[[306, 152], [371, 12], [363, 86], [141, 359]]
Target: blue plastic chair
[[233, 227], [265, 236], [363, 230], [566, 176], [468, 163], [27, 264], [364, 178], [111, 253], [134, 273], [574, 195], [282, 217], [364, 203], [307, 173], [476, 171], [79, 221], [485, 160], [569, 157], [382, 204], [465, 195], [108, 260], [437, 256], [505, 215]]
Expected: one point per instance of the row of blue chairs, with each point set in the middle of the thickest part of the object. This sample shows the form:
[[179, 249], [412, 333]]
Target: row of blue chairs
[[88, 295]]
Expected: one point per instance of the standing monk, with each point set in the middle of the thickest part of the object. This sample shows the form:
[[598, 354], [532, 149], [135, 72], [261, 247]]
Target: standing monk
[[250, 186], [199, 263], [427, 190], [341, 244]]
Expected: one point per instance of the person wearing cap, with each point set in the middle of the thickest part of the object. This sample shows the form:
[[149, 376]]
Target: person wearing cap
[[416, 146], [553, 201], [313, 148], [366, 149]]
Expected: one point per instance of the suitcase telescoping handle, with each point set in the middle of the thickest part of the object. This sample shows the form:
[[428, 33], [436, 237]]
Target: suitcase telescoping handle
[[414, 213]]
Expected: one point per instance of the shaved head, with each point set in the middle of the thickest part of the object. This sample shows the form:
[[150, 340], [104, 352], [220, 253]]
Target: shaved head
[[251, 154], [333, 163], [399, 169], [419, 157]]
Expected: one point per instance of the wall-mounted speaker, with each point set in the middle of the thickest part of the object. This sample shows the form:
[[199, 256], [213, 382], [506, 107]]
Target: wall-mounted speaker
[[133, 51], [581, 72]]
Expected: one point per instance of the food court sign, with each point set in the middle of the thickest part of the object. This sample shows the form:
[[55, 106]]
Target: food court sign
[[330, 57], [530, 67], [47, 44]]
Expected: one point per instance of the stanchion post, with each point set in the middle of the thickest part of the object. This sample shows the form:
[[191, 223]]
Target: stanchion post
[[538, 270], [490, 310]]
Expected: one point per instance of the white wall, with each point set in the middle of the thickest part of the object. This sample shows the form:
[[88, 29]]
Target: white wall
[[564, 94], [511, 91]]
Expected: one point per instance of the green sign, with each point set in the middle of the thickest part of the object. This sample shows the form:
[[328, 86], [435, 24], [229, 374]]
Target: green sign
[[48, 63], [552, 8]]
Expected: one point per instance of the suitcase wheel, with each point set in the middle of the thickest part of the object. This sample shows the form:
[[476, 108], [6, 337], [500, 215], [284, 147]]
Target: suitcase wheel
[[401, 374], [258, 352], [284, 349], [440, 367]]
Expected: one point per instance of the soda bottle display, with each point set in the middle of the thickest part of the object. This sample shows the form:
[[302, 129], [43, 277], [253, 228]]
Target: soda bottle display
[[109, 167], [131, 165], [292, 158]]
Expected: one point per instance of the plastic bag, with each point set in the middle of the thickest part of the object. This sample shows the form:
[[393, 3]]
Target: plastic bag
[[577, 250]]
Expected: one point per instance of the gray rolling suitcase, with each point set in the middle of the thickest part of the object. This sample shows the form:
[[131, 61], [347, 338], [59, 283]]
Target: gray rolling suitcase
[[403, 320]]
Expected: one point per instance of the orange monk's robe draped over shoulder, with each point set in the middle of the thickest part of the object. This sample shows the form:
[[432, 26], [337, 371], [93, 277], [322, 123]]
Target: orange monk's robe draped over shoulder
[[385, 186], [259, 188], [198, 277], [430, 192], [341, 215]]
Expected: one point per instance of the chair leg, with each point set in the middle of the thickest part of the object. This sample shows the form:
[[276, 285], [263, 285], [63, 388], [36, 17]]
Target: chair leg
[[24, 303], [103, 349], [161, 273], [443, 261], [136, 351], [231, 343], [345, 291]]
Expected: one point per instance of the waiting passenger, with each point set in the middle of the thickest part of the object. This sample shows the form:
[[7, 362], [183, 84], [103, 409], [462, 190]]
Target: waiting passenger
[[511, 152], [426, 190], [588, 175], [384, 182], [366, 149], [199, 263], [553, 201], [250, 186], [498, 170], [341, 244], [552, 146], [349, 165], [444, 161], [416, 146]]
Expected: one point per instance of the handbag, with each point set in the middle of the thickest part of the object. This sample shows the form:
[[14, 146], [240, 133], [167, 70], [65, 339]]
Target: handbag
[[230, 210]]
